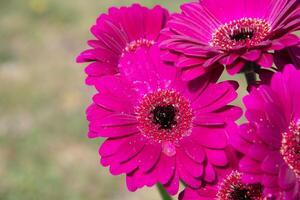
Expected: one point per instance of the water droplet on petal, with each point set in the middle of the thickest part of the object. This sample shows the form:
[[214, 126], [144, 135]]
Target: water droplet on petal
[[169, 149]]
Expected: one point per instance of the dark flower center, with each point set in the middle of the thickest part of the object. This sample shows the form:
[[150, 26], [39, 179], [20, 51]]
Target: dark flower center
[[242, 34], [247, 192], [232, 188], [164, 116], [240, 194]]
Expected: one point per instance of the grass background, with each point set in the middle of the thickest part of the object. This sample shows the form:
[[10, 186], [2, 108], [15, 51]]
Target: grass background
[[44, 151]]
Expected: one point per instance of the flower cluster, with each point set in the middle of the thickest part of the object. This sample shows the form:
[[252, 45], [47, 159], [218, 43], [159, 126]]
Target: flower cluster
[[166, 115]]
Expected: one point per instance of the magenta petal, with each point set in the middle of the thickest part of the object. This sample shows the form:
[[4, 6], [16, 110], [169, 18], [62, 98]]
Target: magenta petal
[[149, 157], [292, 193], [217, 157], [127, 150], [112, 131], [94, 112], [219, 117], [287, 56], [131, 182], [188, 179], [144, 65], [286, 41], [258, 151], [186, 176], [155, 21], [266, 60], [252, 55], [235, 67], [169, 57], [149, 179], [98, 69], [207, 193], [210, 137], [116, 120], [194, 150], [239, 143], [210, 174], [216, 96], [247, 132], [197, 86], [111, 146], [113, 103], [272, 163], [228, 60], [195, 169], [162, 170], [277, 45], [165, 168], [184, 62], [250, 166], [212, 61], [290, 40], [86, 56], [251, 178], [287, 177], [192, 73], [270, 180], [270, 137], [265, 75], [295, 55], [116, 86], [173, 186], [90, 80], [124, 167], [189, 194]]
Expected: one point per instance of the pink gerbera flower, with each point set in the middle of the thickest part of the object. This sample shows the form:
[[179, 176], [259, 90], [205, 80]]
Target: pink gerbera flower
[[160, 129], [119, 32], [232, 33], [271, 138], [231, 187]]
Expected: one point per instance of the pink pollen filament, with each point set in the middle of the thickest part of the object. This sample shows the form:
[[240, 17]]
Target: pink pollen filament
[[134, 45], [164, 116], [290, 147], [244, 32]]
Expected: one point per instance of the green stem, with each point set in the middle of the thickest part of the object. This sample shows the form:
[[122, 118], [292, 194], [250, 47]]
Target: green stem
[[250, 71], [163, 193]]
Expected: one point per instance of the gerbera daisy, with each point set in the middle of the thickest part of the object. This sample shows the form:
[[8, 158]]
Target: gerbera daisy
[[122, 30], [232, 33], [231, 187], [271, 138], [160, 129]]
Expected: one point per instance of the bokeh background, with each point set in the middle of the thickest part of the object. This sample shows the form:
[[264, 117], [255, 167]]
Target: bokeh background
[[44, 151]]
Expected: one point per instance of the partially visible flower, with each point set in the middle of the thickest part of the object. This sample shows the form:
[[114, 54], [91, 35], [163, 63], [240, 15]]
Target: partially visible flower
[[119, 32], [231, 187], [290, 55], [160, 129], [211, 33], [270, 140]]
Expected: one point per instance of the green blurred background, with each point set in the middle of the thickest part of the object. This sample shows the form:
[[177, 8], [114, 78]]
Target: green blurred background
[[44, 151]]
